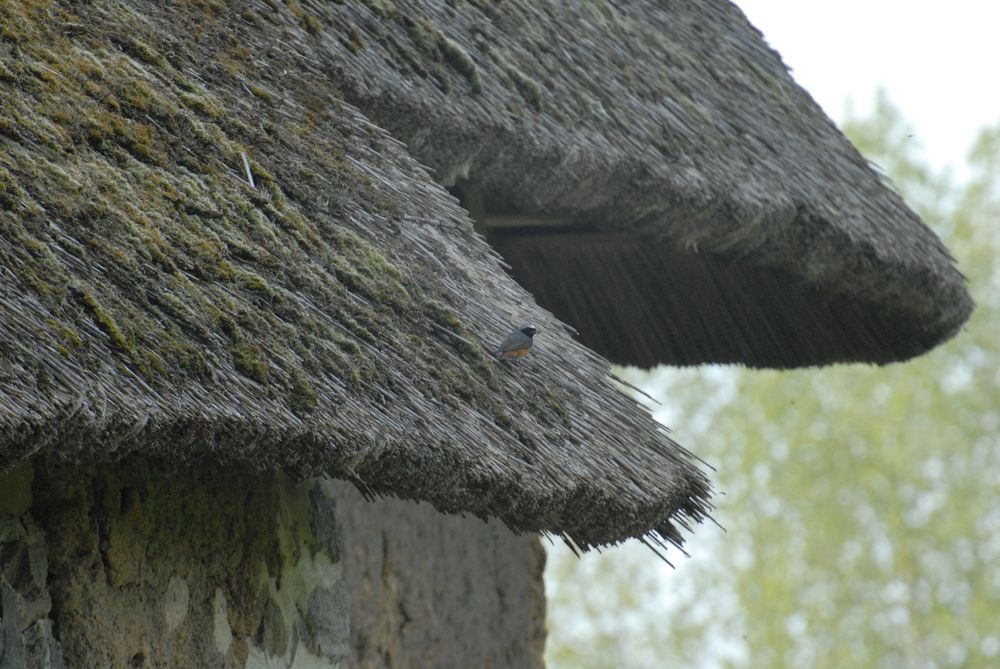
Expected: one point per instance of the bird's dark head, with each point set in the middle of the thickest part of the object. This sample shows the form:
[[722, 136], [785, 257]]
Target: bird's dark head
[[529, 330]]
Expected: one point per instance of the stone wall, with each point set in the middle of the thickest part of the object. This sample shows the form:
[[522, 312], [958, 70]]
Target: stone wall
[[429, 590], [133, 566], [142, 566]]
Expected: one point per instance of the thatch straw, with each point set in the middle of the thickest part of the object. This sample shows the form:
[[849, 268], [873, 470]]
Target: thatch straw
[[336, 318], [727, 218]]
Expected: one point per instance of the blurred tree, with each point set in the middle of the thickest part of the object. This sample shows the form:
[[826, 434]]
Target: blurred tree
[[860, 502]]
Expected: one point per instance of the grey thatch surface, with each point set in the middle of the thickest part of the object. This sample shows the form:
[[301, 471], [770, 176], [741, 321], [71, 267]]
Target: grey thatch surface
[[747, 229], [334, 317]]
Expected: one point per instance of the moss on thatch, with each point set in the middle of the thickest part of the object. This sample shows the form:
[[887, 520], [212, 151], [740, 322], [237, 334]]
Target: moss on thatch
[[335, 316], [120, 158]]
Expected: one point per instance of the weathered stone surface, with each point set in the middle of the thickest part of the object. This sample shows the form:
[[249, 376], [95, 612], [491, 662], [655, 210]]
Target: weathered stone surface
[[41, 649], [11, 647], [430, 590], [26, 637], [324, 523], [327, 632], [24, 565], [138, 567], [272, 637], [132, 566], [175, 605], [16, 496]]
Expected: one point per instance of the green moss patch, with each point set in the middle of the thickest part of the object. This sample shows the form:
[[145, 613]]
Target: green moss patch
[[123, 192], [530, 90], [441, 49]]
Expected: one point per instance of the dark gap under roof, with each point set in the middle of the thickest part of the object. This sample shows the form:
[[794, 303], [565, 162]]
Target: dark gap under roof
[[644, 302]]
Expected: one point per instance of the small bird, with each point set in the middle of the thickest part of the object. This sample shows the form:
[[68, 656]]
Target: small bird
[[518, 343]]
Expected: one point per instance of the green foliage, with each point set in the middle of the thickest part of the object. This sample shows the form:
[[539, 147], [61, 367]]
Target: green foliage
[[860, 502], [603, 609]]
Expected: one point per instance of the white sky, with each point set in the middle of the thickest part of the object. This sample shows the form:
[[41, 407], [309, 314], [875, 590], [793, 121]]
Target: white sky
[[937, 60]]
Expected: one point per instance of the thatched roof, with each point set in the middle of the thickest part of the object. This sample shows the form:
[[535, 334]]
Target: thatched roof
[[654, 177], [649, 171], [335, 316]]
